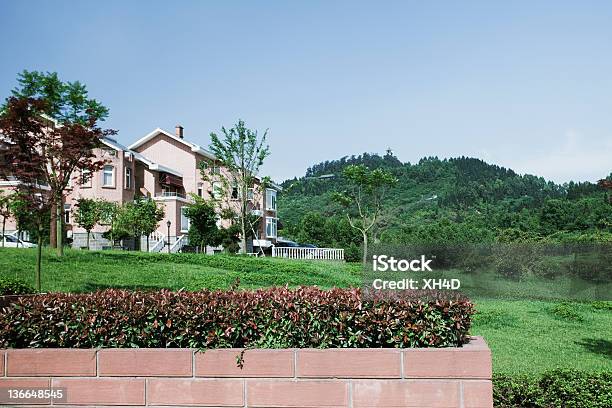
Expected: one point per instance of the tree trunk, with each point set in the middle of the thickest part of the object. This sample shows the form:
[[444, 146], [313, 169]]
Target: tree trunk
[[38, 258], [88, 239], [3, 230], [365, 248], [59, 227], [147, 243], [243, 245], [53, 227]]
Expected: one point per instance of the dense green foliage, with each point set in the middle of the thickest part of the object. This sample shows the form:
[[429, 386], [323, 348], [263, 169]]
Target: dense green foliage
[[14, 287], [203, 229], [452, 200], [66, 102], [556, 388], [264, 318]]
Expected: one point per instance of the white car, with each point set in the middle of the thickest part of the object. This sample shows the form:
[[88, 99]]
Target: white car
[[11, 241]]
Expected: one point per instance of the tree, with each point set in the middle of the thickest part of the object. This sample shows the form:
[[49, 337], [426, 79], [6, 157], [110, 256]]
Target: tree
[[109, 212], [364, 198], [87, 215], [312, 229], [242, 152], [70, 135], [139, 218], [607, 183], [150, 215], [5, 211], [22, 158], [203, 229]]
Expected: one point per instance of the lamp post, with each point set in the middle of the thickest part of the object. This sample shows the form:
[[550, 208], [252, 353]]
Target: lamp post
[[168, 236]]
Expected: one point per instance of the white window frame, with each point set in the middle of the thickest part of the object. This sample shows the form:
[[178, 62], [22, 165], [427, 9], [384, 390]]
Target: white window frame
[[112, 175], [273, 223], [67, 208], [128, 178], [270, 199], [183, 216], [200, 189]]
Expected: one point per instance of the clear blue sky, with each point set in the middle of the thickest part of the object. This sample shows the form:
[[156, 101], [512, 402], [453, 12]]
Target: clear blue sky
[[526, 85]]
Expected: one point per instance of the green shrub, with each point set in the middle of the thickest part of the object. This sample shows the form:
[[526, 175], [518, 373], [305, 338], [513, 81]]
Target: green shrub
[[14, 287], [566, 311], [602, 305], [557, 388], [495, 319], [515, 391], [274, 317]]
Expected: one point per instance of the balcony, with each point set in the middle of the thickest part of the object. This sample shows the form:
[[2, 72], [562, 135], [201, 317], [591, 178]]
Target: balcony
[[170, 194]]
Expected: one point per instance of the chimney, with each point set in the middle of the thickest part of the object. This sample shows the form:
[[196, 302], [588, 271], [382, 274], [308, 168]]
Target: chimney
[[179, 131]]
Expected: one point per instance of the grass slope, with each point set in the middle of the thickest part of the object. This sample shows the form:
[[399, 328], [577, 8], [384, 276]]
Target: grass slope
[[526, 336]]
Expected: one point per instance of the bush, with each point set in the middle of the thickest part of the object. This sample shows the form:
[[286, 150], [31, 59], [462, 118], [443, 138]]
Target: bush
[[593, 267], [557, 388], [14, 287], [271, 318], [566, 311]]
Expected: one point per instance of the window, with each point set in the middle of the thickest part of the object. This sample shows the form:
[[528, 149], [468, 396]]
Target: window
[[270, 199], [217, 190], [67, 213], [85, 178], [184, 220], [271, 224], [216, 169], [128, 178], [250, 194], [200, 190], [108, 176], [235, 191]]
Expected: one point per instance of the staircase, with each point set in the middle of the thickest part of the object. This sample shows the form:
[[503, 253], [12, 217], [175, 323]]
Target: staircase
[[159, 242], [179, 244]]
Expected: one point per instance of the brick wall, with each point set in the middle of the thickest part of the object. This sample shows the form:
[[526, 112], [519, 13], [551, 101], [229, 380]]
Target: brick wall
[[451, 377]]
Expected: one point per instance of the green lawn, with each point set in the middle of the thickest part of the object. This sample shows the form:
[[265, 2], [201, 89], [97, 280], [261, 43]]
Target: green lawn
[[526, 336]]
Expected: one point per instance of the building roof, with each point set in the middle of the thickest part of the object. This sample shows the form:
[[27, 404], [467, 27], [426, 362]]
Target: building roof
[[194, 147], [158, 167], [155, 166], [112, 143]]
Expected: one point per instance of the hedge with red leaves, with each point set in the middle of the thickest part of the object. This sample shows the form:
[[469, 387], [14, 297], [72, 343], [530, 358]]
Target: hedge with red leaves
[[266, 318]]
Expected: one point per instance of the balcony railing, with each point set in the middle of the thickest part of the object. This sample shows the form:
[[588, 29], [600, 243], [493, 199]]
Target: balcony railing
[[170, 194]]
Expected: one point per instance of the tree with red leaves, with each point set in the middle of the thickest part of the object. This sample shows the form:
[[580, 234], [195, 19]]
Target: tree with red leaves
[[19, 131], [606, 183], [70, 133]]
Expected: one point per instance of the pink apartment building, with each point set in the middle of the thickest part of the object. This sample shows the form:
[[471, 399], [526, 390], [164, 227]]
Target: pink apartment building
[[165, 167]]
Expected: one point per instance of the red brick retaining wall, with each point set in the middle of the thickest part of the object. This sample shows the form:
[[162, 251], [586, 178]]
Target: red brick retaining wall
[[447, 377]]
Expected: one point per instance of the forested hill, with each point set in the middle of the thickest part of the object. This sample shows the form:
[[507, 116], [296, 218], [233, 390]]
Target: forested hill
[[462, 193]]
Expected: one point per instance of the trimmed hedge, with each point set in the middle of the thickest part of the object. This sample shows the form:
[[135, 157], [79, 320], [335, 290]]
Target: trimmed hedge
[[14, 287], [265, 318], [557, 388]]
